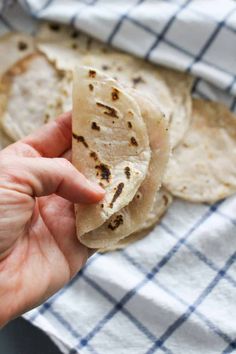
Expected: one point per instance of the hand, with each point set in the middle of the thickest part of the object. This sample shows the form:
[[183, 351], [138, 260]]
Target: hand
[[39, 250]]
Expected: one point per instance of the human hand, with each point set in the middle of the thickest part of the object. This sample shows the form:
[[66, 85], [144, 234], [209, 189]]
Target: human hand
[[39, 250]]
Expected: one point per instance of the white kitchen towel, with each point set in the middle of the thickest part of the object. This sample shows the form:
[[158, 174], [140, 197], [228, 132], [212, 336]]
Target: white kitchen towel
[[175, 291]]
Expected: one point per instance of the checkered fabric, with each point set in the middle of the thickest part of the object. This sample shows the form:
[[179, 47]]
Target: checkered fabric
[[175, 291]]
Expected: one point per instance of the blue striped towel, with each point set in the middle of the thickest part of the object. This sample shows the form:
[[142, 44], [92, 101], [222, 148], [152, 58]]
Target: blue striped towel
[[175, 291]]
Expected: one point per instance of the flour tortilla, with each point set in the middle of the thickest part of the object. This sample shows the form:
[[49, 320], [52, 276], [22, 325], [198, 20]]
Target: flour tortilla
[[110, 145], [61, 101], [14, 47], [203, 167], [65, 46], [180, 85], [25, 91], [136, 212], [170, 90], [4, 140], [163, 200]]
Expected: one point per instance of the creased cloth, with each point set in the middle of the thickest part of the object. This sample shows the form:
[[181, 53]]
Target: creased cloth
[[175, 291]]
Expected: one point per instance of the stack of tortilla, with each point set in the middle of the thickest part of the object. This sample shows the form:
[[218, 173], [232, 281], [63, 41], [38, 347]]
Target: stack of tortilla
[[136, 129]]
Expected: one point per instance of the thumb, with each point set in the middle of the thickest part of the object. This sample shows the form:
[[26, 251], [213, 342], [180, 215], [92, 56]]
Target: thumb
[[41, 176]]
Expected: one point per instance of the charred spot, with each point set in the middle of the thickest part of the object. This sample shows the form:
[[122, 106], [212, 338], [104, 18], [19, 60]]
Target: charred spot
[[74, 46], [104, 171], [22, 45], [117, 193], [115, 94], [94, 155], [116, 223], [74, 34], [91, 87], [165, 199], [105, 67], [127, 172], [54, 27], [92, 73], [102, 205], [46, 118], [80, 139], [119, 68], [133, 141], [95, 126], [101, 184], [129, 125], [138, 195], [109, 110], [137, 80]]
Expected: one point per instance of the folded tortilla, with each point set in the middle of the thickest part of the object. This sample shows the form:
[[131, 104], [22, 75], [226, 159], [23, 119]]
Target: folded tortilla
[[110, 146]]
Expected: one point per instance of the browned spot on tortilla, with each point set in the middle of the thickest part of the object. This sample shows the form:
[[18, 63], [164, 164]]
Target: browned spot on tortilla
[[101, 184], [117, 193], [74, 45], [54, 27], [74, 34], [89, 42], [80, 139], [104, 50], [95, 126], [22, 45], [137, 80], [91, 87], [109, 110], [102, 205], [115, 94], [129, 124], [105, 67], [116, 223], [104, 171], [94, 155], [92, 73], [46, 118], [127, 172], [119, 68], [133, 141], [165, 199]]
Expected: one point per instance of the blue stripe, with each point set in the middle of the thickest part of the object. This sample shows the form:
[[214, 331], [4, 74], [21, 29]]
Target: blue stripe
[[130, 316], [6, 23], [231, 85], [193, 307], [121, 20], [44, 7], [210, 40], [233, 106], [77, 14], [205, 320], [231, 347], [227, 217], [167, 27], [69, 327], [199, 255], [177, 47], [148, 277]]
